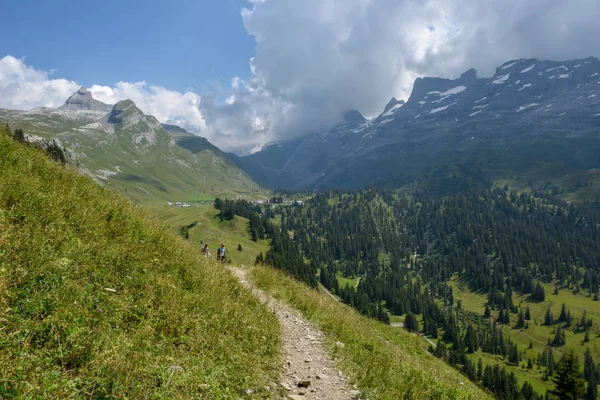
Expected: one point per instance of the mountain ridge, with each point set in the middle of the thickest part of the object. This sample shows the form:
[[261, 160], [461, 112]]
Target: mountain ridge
[[118, 145], [526, 101]]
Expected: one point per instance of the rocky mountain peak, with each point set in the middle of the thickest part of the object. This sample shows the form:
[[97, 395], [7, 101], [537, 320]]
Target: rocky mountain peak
[[83, 100], [125, 112], [393, 104], [354, 116]]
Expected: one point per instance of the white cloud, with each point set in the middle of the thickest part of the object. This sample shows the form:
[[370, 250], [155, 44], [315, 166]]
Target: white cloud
[[22, 87], [167, 106], [316, 59]]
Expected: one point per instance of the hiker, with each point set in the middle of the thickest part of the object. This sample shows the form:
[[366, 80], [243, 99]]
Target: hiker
[[222, 253], [205, 251]]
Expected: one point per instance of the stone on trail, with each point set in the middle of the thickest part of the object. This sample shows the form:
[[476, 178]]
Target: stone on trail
[[304, 383]]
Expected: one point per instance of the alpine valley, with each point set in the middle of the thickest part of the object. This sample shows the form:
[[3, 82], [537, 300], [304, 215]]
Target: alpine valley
[[534, 124]]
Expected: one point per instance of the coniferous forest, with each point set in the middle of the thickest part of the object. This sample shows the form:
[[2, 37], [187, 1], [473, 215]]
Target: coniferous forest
[[406, 247]]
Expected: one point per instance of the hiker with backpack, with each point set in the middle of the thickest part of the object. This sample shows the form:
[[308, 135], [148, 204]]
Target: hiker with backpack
[[222, 253]]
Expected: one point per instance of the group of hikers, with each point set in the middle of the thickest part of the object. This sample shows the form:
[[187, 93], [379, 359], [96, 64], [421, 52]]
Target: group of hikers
[[222, 252]]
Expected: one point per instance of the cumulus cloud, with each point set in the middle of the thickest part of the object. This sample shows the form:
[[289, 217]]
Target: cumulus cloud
[[23, 87], [167, 106], [317, 59]]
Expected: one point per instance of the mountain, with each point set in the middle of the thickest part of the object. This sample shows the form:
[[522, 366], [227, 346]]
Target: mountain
[[533, 121], [119, 146]]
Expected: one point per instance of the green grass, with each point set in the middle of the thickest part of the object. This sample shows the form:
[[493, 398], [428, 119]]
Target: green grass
[[385, 362], [343, 281], [99, 300], [214, 232]]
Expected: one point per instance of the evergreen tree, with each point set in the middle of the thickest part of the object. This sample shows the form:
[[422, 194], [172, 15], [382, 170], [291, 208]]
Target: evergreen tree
[[548, 318], [559, 337], [568, 383], [19, 135], [410, 323], [589, 367], [592, 388], [563, 313], [440, 350], [471, 340], [521, 320], [239, 247], [528, 314]]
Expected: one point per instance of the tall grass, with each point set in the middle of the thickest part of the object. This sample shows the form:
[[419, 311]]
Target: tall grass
[[97, 300], [385, 362]]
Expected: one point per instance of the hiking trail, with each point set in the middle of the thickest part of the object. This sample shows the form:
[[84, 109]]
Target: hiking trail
[[308, 372]]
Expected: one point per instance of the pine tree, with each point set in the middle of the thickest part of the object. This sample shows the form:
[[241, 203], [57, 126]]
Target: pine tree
[[479, 369], [528, 314], [568, 383], [521, 320], [410, 323], [239, 247], [563, 313], [592, 388], [471, 339], [440, 350], [548, 318], [487, 313], [589, 367]]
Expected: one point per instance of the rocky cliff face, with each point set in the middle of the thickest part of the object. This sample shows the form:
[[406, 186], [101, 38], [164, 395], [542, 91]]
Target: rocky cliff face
[[82, 100]]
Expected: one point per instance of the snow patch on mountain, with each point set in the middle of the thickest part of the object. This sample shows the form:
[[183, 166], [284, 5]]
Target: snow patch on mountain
[[392, 110], [455, 90], [528, 69], [555, 68], [502, 79], [525, 86], [437, 110], [527, 106], [507, 66]]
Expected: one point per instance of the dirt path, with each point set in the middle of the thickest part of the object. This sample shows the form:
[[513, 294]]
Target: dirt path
[[308, 372]]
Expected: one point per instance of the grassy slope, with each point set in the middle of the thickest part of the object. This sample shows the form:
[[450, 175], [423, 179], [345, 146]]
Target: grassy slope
[[537, 333], [151, 174], [385, 362], [96, 300], [214, 232]]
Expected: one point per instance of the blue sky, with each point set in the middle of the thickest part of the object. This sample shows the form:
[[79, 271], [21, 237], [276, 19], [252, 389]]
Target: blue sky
[[178, 44]]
